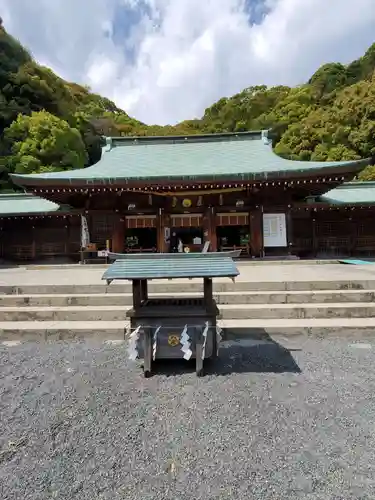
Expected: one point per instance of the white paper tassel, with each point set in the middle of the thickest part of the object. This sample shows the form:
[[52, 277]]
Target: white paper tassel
[[218, 337], [155, 338], [205, 331], [185, 342], [133, 339]]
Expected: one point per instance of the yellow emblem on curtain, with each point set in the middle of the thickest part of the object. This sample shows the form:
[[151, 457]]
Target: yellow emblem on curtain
[[173, 340]]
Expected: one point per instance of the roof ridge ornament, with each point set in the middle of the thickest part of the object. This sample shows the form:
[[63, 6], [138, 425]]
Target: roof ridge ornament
[[108, 144], [265, 138]]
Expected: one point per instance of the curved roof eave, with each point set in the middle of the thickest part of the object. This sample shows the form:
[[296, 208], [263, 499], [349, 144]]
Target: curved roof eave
[[336, 169]]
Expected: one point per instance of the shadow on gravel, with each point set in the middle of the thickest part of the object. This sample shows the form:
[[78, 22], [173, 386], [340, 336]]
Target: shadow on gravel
[[248, 355], [258, 357]]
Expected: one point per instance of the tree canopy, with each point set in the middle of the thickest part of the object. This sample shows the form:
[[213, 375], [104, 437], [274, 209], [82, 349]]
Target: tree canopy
[[43, 142]]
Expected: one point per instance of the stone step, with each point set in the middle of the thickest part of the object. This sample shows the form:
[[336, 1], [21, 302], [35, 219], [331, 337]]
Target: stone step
[[351, 327], [290, 260], [175, 286], [125, 299], [298, 311], [115, 330], [228, 311]]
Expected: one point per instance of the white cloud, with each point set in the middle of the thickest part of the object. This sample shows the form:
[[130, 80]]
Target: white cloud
[[166, 60]]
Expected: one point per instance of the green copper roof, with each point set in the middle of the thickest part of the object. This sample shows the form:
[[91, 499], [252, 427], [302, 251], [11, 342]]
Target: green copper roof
[[189, 266], [244, 156], [25, 204], [351, 193]]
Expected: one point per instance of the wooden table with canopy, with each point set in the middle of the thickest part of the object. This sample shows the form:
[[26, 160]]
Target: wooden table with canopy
[[179, 327]]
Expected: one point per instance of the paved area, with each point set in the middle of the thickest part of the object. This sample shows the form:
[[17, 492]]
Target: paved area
[[80, 422], [271, 272]]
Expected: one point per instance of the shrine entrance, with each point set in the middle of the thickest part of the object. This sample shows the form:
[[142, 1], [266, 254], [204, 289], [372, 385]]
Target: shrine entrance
[[140, 234], [188, 230], [233, 232]]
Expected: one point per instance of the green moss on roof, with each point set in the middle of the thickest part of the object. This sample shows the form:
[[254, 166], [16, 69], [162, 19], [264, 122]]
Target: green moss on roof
[[244, 156], [25, 204], [351, 193]]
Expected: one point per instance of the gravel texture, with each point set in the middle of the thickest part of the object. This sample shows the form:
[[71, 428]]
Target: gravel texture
[[79, 421]]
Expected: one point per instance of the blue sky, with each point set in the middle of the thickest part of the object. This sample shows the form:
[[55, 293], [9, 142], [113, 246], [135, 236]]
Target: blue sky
[[164, 61]]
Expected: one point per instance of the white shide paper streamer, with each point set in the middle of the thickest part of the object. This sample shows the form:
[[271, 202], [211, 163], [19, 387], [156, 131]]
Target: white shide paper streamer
[[205, 331], [155, 339], [133, 340], [185, 342], [218, 338]]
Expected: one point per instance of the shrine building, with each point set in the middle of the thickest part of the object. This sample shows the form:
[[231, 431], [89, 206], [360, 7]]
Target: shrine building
[[230, 190]]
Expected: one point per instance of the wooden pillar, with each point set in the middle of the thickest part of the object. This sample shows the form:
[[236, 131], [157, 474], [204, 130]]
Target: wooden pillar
[[353, 235], [159, 232], [118, 236], [208, 291], [209, 228], [199, 353], [213, 230], [67, 236], [314, 238], [289, 231], [137, 293], [162, 221], [1, 239], [33, 243], [256, 233], [144, 290], [147, 352]]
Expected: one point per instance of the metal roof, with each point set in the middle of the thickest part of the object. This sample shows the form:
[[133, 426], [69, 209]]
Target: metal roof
[[25, 204], [243, 156], [190, 266], [351, 193], [124, 256]]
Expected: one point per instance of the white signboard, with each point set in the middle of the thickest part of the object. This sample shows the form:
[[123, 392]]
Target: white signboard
[[274, 230]]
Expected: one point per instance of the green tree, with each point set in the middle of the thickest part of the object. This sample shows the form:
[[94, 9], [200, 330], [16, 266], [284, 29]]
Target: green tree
[[47, 123], [43, 143], [363, 67], [328, 78]]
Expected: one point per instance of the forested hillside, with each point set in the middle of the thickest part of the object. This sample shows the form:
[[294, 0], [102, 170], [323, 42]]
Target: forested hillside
[[47, 123]]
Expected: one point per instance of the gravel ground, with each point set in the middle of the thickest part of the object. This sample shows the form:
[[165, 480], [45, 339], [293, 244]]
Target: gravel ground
[[79, 422]]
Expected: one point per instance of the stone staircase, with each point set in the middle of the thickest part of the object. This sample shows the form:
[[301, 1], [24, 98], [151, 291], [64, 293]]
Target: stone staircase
[[47, 312]]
